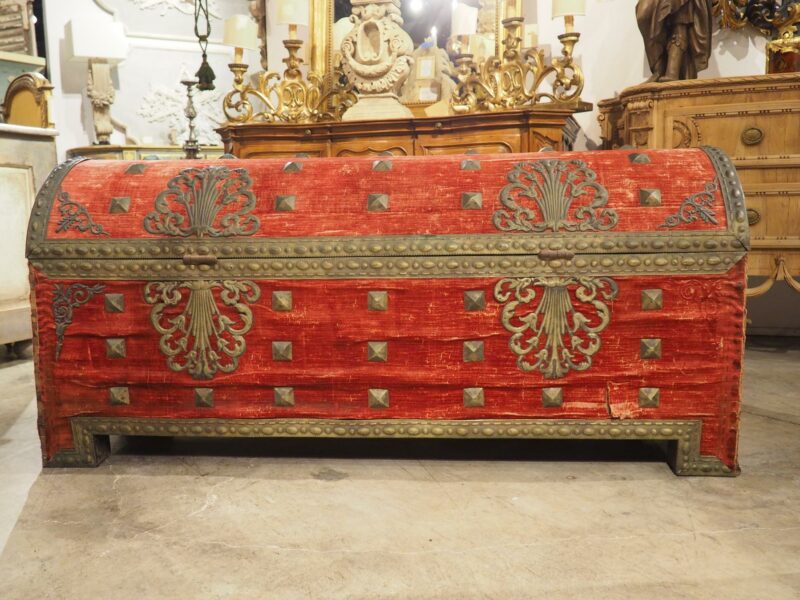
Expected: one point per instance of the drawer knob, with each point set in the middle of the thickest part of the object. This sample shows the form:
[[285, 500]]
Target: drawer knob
[[752, 136], [753, 216], [198, 260], [556, 255], [438, 125]]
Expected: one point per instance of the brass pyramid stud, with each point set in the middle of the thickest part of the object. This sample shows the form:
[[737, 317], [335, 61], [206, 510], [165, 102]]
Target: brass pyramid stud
[[471, 200], [469, 164], [378, 398], [377, 351], [649, 397], [120, 204], [136, 169], [302, 155], [552, 396], [474, 300], [293, 167], [382, 165], [473, 397], [282, 351], [650, 197], [115, 348], [284, 396], [650, 348], [282, 301], [473, 351], [114, 303], [119, 396], [378, 300], [471, 151], [377, 202], [285, 203], [204, 397], [637, 158], [652, 299]]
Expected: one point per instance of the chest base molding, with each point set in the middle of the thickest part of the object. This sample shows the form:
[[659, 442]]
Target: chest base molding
[[92, 444]]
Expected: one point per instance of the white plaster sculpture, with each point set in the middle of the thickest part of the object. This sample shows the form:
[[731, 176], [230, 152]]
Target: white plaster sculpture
[[376, 59]]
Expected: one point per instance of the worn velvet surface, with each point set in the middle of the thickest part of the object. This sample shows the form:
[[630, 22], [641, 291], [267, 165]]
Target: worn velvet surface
[[424, 193], [700, 324]]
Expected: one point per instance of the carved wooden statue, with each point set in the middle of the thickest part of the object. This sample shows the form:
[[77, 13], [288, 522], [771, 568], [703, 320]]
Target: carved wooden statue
[[677, 36]]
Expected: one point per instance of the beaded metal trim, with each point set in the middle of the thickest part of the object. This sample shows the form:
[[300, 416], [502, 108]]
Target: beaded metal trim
[[92, 447]]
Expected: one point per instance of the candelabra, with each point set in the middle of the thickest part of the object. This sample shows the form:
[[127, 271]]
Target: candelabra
[[514, 79], [273, 98], [291, 98]]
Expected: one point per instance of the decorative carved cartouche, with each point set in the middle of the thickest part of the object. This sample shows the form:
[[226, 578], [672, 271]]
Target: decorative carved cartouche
[[376, 59]]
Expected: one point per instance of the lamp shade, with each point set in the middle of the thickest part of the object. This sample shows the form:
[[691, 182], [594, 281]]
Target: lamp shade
[[241, 32], [293, 12], [465, 19], [565, 8], [92, 37]]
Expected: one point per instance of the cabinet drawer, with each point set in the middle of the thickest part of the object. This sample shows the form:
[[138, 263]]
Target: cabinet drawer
[[499, 141], [745, 133], [373, 147]]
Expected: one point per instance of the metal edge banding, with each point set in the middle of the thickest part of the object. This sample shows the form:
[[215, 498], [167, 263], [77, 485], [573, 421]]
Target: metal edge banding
[[43, 204], [391, 267], [90, 434], [732, 194], [415, 245]]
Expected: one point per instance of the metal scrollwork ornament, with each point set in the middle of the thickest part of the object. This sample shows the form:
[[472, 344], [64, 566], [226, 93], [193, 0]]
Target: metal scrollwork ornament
[[541, 196], [75, 216], [209, 201], [204, 335], [555, 321], [66, 298], [697, 207]]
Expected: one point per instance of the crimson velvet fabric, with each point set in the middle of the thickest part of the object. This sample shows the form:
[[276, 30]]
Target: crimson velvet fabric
[[700, 324]]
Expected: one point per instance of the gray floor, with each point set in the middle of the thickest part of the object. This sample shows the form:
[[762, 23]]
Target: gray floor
[[418, 520]]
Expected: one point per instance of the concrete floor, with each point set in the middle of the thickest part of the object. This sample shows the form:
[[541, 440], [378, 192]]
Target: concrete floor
[[411, 520]]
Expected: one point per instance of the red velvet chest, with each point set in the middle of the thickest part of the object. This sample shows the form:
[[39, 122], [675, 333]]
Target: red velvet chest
[[580, 295]]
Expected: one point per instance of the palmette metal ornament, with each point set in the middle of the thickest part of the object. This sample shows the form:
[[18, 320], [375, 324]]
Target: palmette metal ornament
[[532, 296]]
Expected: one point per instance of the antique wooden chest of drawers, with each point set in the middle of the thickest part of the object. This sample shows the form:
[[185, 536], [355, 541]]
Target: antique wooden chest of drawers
[[549, 295], [753, 119]]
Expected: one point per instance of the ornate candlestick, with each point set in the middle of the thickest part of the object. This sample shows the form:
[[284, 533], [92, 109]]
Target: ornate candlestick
[[191, 147], [273, 98]]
